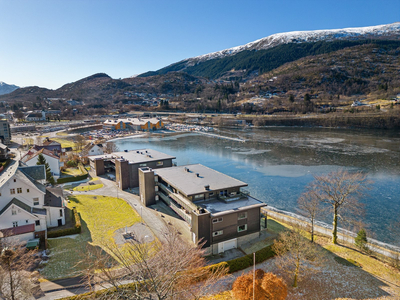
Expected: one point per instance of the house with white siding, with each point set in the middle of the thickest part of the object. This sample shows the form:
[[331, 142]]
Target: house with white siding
[[27, 207], [32, 156]]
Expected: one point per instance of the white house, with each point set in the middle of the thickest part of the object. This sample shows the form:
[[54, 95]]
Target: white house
[[92, 149], [32, 156], [27, 208]]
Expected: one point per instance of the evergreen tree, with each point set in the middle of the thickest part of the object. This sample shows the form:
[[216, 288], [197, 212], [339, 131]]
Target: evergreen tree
[[361, 240], [49, 176]]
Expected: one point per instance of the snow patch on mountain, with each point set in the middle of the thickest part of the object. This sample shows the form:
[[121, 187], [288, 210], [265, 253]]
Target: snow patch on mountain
[[305, 36], [7, 88]]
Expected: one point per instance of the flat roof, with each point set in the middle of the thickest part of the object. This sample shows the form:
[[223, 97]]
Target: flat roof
[[185, 179], [136, 156], [217, 207]]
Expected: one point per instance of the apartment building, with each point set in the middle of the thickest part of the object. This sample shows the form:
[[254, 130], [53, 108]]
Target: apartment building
[[5, 132], [216, 209], [124, 165]]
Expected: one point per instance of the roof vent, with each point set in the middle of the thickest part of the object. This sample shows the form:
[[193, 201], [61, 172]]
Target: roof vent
[[137, 151], [197, 174], [207, 187], [146, 151], [125, 150]]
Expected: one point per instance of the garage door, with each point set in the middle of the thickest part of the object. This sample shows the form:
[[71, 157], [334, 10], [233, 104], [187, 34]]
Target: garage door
[[227, 245]]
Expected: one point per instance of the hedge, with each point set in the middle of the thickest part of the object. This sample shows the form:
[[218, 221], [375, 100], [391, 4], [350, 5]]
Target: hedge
[[68, 231], [234, 265], [73, 178]]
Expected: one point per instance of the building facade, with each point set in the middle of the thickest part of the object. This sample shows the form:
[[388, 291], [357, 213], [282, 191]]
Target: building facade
[[27, 207], [5, 132], [213, 205], [124, 166], [134, 124]]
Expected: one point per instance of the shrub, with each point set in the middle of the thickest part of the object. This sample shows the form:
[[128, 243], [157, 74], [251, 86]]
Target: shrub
[[361, 240], [71, 179], [71, 163]]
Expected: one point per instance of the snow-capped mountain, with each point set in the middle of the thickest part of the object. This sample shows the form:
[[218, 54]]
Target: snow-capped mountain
[[7, 88], [389, 30]]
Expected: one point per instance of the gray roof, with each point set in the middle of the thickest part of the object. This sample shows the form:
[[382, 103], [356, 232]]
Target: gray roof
[[36, 172], [136, 156], [39, 211], [18, 203], [189, 183], [24, 177], [217, 207], [54, 197], [13, 170]]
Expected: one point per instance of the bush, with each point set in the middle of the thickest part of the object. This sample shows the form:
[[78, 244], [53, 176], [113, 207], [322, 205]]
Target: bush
[[361, 240], [68, 231], [71, 179], [71, 163]]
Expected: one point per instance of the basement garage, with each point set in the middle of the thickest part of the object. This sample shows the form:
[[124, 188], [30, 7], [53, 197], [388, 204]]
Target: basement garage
[[227, 245]]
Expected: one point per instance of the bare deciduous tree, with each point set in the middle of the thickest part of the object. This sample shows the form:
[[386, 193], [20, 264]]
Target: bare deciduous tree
[[110, 147], [15, 262], [80, 142], [169, 269], [296, 254], [310, 207], [341, 190]]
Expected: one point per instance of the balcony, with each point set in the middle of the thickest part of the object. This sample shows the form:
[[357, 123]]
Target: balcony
[[238, 196], [182, 201]]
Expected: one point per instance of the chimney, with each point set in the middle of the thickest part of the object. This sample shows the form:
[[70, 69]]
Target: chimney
[[207, 187]]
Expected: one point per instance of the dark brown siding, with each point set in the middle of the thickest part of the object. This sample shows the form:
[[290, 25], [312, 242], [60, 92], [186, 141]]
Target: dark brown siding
[[201, 227]]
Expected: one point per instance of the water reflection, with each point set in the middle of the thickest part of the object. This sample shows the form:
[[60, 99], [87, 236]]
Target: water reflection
[[278, 163]]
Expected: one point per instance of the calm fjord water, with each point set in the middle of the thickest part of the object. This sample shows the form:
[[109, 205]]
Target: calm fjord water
[[278, 163]]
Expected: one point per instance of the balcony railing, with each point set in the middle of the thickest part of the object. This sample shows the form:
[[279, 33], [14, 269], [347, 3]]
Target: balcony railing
[[238, 196], [186, 204], [175, 208]]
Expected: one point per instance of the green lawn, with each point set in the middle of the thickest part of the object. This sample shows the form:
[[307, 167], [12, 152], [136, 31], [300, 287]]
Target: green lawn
[[100, 216], [64, 142], [72, 172], [86, 188]]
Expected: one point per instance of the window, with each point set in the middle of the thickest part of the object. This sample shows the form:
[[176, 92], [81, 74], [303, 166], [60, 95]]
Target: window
[[15, 224], [160, 163], [201, 196], [210, 194], [217, 233], [12, 191], [19, 190], [61, 212], [15, 180], [37, 222], [13, 212], [26, 221], [217, 220], [35, 201], [242, 215], [242, 228], [142, 165], [27, 190]]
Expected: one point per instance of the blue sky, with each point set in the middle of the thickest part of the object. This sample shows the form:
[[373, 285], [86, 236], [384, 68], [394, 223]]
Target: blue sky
[[50, 43]]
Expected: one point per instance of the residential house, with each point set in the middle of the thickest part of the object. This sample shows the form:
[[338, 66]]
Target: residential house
[[213, 205], [92, 149], [52, 146], [32, 156], [124, 165], [3, 152], [27, 208]]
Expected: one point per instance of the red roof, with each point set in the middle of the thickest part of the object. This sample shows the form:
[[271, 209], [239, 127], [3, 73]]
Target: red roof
[[18, 230]]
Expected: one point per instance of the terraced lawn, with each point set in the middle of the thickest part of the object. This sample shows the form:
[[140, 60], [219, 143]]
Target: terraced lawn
[[100, 216]]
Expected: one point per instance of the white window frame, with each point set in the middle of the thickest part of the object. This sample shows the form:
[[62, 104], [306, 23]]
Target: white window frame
[[12, 191], [218, 233], [36, 201], [15, 224], [218, 220], [19, 190], [241, 230]]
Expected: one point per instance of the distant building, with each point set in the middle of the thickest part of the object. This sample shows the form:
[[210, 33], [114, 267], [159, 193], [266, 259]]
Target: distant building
[[32, 156], [92, 149], [124, 165], [212, 204], [136, 124], [3, 152], [35, 116], [5, 132]]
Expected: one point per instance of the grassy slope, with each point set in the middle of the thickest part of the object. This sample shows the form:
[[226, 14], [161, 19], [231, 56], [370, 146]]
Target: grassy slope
[[100, 216]]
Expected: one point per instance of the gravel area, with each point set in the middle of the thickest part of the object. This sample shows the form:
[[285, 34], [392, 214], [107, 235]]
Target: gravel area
[[138, 232]]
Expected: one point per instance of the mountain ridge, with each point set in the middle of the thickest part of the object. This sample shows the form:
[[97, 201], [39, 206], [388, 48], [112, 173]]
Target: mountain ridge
[[7, 88]]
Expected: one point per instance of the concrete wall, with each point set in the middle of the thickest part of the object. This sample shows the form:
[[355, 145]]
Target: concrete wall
[[147, 186]]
